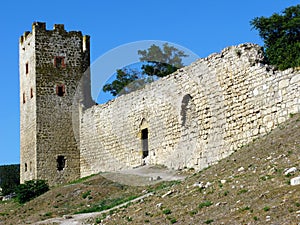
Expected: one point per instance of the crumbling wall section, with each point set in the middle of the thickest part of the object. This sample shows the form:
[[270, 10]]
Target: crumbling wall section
[[194, 117]]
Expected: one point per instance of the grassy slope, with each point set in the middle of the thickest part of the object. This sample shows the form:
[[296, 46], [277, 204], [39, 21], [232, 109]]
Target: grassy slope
[[256, 194]]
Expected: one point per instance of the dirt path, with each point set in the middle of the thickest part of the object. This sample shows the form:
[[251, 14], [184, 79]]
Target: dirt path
[[141, 176], [144, 175], [79, 219]]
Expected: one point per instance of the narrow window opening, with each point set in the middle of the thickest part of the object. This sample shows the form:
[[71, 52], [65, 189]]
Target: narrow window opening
[[184, 108], [31, 93], [61, 162], [30, 167], [26, 68], [145, 142], [60, 90], [59, 61], [24, 98], [25, 169]]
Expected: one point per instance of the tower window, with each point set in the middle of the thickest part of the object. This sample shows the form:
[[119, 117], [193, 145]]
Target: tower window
[[26, 68], [25, 168], [59, 62], [60, 90], [61, 162], [145, 142], [31, 93], [24, 97]]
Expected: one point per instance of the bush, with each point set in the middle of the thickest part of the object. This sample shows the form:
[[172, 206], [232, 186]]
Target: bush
[[167, 211], [31, 189], [205, 204], [9, 178], [280, 33]]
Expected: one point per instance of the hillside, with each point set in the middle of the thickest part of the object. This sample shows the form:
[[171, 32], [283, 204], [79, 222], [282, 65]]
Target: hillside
[[248, 187]]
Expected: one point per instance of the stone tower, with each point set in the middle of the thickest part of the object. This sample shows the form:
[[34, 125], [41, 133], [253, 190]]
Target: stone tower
[[52, 64]]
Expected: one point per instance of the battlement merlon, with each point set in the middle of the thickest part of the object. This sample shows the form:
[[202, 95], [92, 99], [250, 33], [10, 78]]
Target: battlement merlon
[[86, 43], [60, 28]]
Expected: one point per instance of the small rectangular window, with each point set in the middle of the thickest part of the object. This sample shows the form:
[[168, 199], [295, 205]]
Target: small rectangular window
[[59, 62], [26, 68], [24, 97], [60, 90], [61, 162], [31, 93]]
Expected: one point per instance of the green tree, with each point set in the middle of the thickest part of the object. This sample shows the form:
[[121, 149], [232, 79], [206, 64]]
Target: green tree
[[281, 35], [123, 79], [9, 178], [31, 189], [156, 62]]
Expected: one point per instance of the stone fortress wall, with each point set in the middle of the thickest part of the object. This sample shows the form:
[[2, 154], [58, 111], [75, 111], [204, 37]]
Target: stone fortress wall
[[192, 118], [189, 119], [52, 63]]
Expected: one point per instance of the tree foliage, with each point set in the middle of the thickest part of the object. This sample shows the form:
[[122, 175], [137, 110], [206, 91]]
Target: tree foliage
[[31, 189], [124, 78], [156, 62], [281, 35], [9, 178]]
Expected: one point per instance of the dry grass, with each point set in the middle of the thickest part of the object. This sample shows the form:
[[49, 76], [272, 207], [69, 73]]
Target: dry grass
[[259, 193]]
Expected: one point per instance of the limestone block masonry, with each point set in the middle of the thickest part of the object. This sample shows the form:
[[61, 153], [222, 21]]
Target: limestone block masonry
[[52, 63], [192, 118], [189, 119]]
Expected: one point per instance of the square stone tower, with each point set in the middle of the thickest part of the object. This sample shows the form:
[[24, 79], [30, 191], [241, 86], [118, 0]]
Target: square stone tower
[[54, 88]]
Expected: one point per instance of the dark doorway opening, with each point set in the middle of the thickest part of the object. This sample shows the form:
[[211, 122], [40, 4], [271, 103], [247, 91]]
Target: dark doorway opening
[[145, 142], [61, 162], [60, 90]]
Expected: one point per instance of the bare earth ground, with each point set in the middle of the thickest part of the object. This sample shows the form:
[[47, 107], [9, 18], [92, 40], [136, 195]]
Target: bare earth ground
[[141, 176], [145, 175], [249, 187]]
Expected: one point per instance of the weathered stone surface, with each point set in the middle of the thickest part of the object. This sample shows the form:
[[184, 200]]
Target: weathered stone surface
[[195, 117], [295, 181], [190, 119], [52, 63], [295, 79]]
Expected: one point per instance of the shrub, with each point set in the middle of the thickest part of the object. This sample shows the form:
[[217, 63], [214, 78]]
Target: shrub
[[167, 211], [205, 204], [31, 189], [9, 178], [86, 194], [209, 221], [242, 191], [173, 220]]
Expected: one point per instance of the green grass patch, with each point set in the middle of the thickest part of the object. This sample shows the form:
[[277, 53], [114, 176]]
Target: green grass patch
[[163, 185], [208, 221], [245, 208], [48, 214], [242, 191], [172, 220], [167, 211], [193, 212], [86, 194], [80, 180], [107, 204], [205, 204]]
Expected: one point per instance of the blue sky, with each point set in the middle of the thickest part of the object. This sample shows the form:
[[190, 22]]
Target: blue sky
[[204, 27]]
